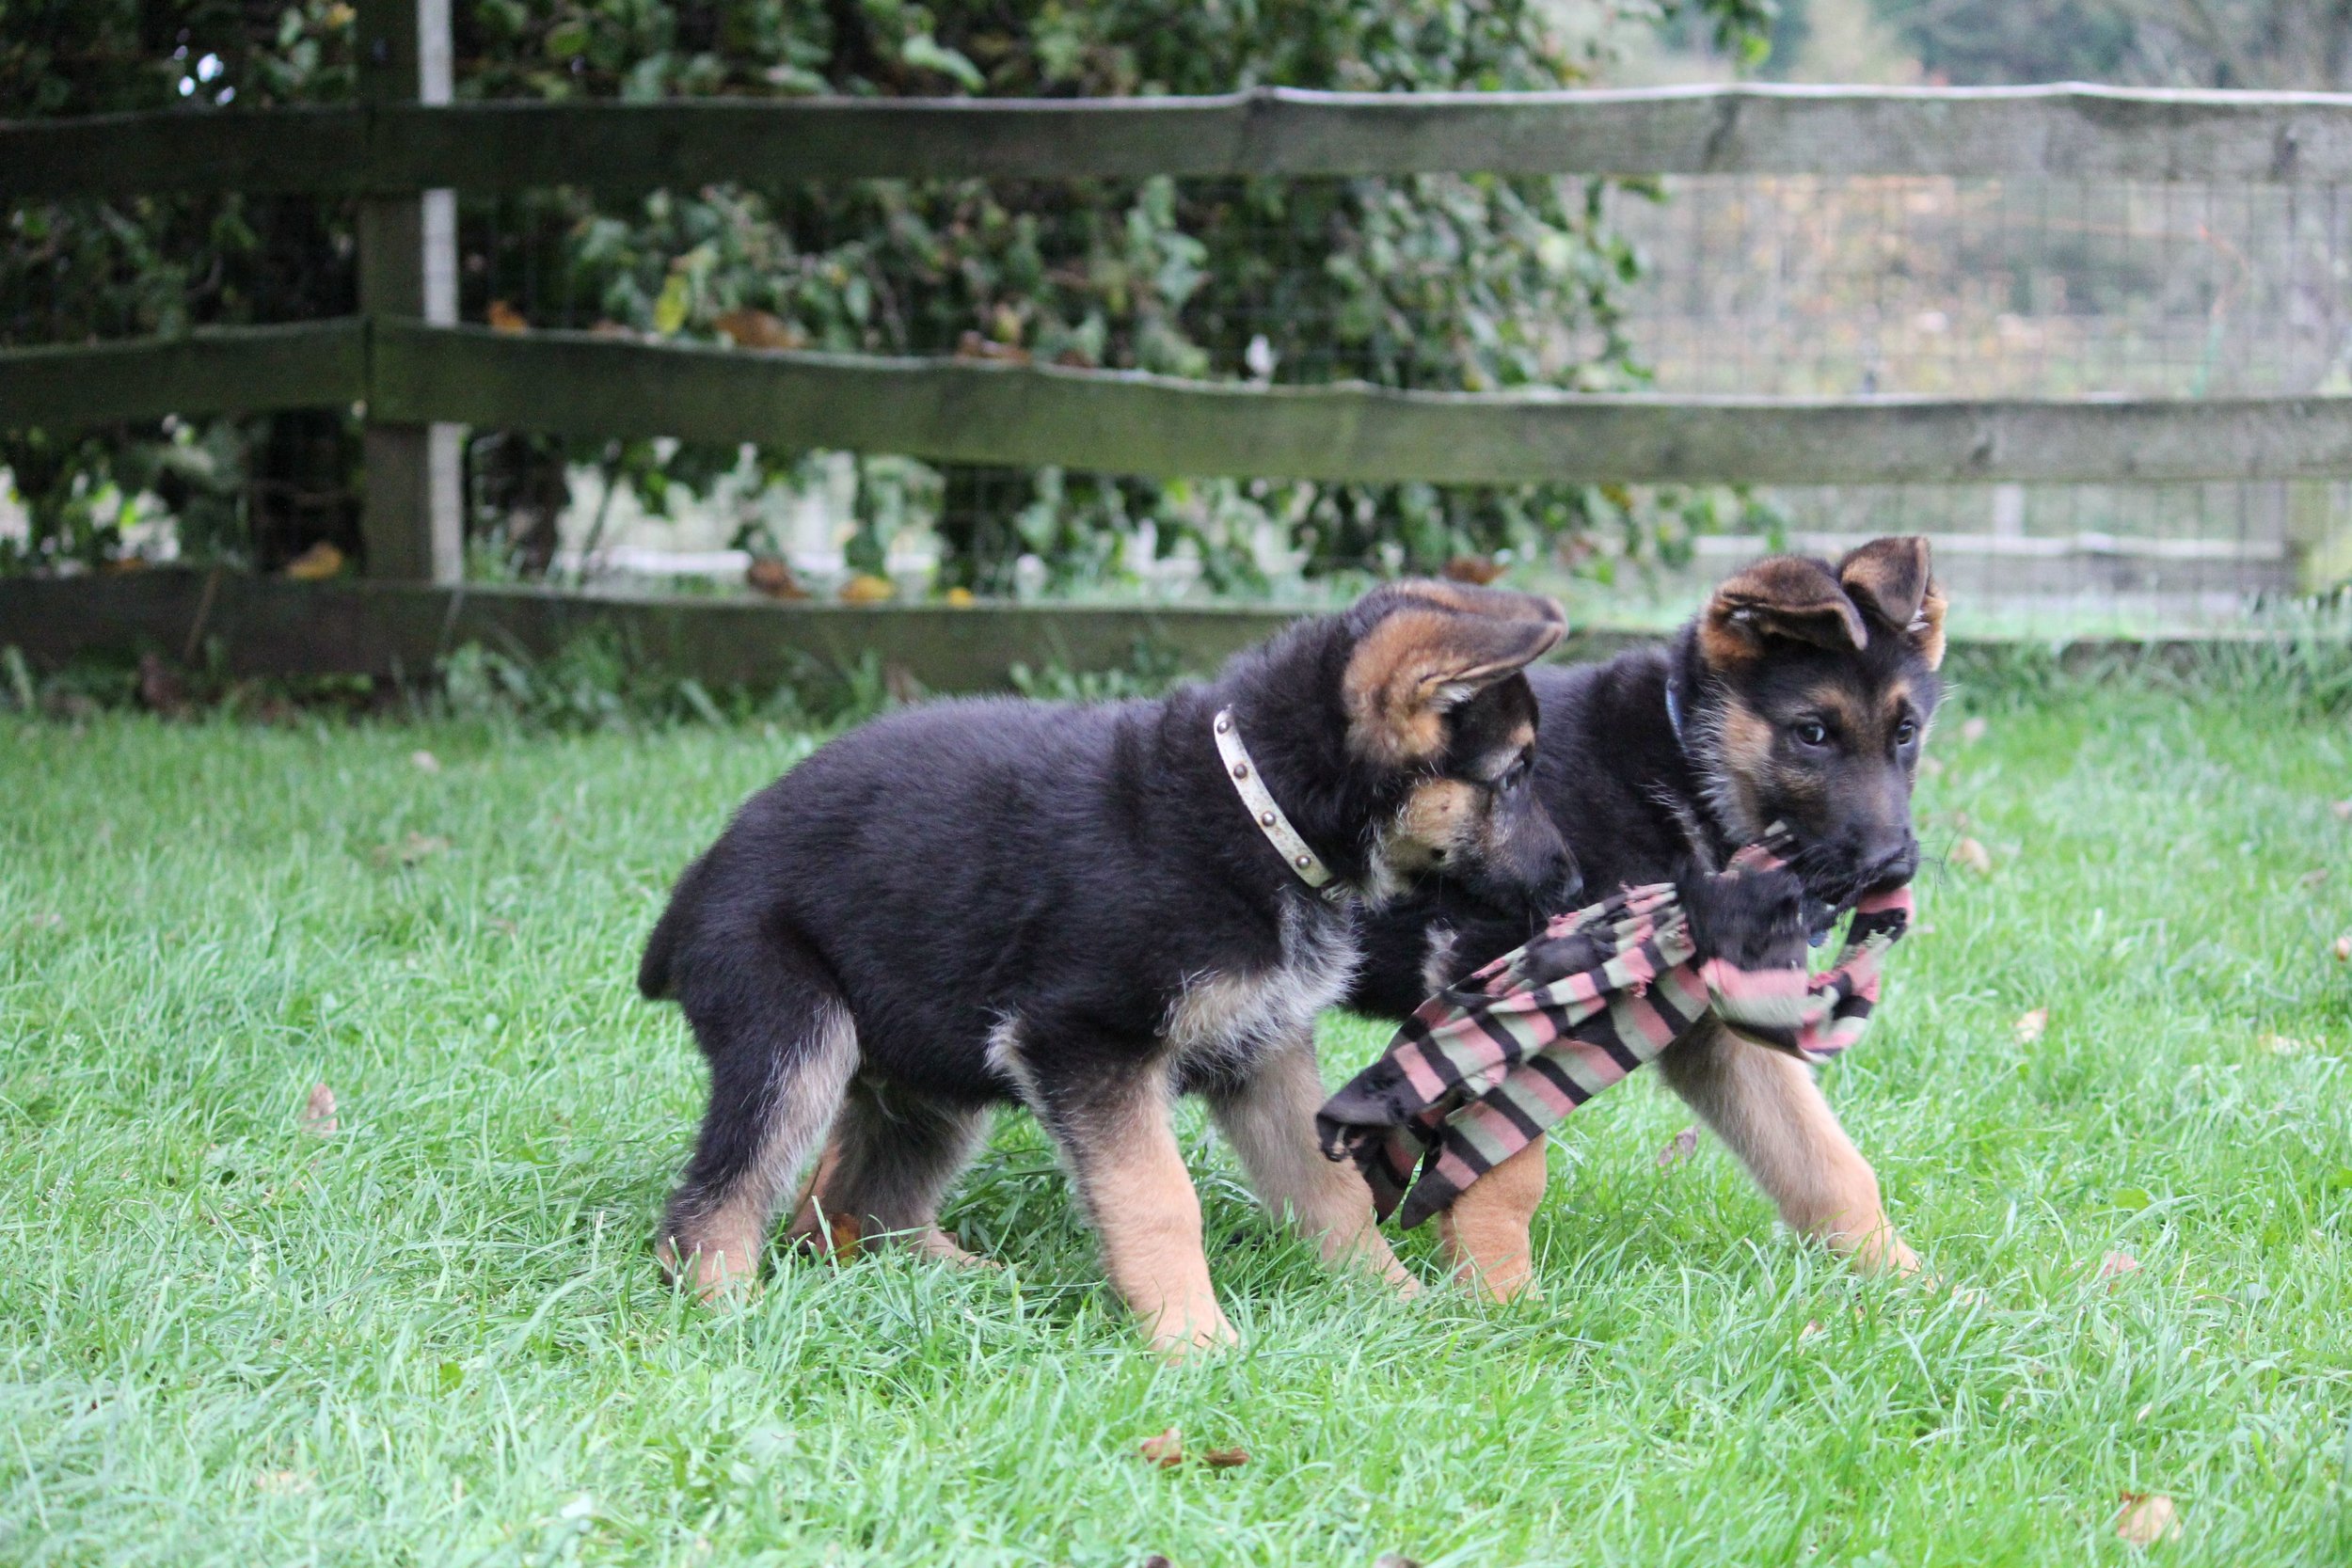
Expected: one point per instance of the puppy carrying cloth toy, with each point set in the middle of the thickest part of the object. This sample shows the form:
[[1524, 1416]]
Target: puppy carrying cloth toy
[[1488, 1064]]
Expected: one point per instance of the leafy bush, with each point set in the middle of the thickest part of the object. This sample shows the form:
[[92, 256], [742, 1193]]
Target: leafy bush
[[1469, 282]]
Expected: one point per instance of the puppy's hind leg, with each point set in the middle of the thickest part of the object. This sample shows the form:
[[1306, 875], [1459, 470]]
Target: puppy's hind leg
[[1270, 1121], [781, 1047], [891, 1157]]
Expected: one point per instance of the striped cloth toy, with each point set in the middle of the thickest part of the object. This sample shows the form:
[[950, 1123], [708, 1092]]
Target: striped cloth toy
[[1487, 1064]]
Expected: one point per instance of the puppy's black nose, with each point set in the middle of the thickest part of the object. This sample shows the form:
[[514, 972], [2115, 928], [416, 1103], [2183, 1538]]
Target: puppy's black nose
[[1892, 868]]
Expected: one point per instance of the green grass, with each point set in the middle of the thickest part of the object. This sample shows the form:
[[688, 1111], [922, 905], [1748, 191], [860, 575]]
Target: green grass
[[437, 1335]]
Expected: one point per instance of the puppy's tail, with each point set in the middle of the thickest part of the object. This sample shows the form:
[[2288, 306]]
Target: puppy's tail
[[654, 980]]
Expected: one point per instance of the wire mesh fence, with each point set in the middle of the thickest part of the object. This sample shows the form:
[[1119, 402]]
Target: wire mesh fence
[[1786, 286]]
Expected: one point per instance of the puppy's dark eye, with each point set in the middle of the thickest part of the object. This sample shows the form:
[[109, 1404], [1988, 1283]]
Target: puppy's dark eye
[[1812, 731], [1906, 732]]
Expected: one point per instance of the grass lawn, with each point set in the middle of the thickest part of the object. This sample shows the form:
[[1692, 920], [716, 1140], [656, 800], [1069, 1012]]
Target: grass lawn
[[436, 1336]]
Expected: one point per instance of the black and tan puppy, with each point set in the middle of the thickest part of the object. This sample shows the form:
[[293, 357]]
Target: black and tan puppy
[[1802, 693], [1076, 909]]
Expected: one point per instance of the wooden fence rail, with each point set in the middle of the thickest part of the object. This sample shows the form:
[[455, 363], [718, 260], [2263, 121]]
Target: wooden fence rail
[[2069, 130], [583, 383]]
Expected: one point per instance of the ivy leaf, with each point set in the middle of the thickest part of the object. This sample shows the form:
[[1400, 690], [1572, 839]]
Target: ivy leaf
[[669, 310], [925, 53]]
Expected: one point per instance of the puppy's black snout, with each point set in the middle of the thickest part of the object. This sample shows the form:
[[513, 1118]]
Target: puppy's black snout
[[1567, 882]]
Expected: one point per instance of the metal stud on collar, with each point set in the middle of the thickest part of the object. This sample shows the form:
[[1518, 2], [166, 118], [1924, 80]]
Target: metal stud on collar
[[1265, 812]]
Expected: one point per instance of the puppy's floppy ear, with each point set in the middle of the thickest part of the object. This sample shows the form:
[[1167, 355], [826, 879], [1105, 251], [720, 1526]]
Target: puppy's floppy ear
[[1430, 647], [1785, 597], [1893, 579]]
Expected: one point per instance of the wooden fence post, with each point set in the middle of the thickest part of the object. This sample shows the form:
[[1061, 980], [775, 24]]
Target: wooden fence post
[[412, 512]]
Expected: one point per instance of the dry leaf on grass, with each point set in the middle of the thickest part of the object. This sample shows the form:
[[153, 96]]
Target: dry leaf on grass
[[409, 850], [1157, 1560], [2116, 1266], [1226, 1459], [2282, 1045], [1478, 569], [2147, 1517], [1680, 1147], [2032, 1025], [749, 328], [1969, 855], [1394, 1560], [283, 1482], [424, 762], [768, 576], [316, 564], [1166, 1450], [318, 1112], [2342, 948], [1973, 730], [1812, 1326]]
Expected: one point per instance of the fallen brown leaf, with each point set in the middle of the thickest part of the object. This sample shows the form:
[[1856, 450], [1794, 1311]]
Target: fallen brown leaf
[[1156, 1559], [281, 1482], [1812, 1326], [319, 562], [2147, 1517], [1478, 569], [503, 317], [1969, 855], [1973, 730], [2032, 1025], [424, 762], [1166, 1450], [2342, 948], [759, 329], [1226, 1459], [2117, 1266], [318, 1112], [768, 576], [1680, 1147]]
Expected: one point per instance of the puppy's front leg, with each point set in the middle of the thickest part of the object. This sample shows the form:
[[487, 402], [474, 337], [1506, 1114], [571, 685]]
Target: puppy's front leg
[[1270, 1121], [1765, 1106], [1130, 1174], [1484, 1235]]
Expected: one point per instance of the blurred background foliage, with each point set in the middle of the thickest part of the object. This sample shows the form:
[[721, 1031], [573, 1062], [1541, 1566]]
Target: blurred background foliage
[[1438, 282], [1453, 282]]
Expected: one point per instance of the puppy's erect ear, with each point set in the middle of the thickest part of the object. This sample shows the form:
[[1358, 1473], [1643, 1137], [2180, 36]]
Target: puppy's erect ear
[[1432, 648], [1893, 579], [1785, 596]]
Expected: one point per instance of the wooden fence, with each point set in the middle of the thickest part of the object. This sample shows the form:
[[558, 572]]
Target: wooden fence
[[403, 147]]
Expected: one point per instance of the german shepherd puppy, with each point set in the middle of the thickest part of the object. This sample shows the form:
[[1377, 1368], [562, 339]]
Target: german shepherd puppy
[[1802, 693], [1074, 908]]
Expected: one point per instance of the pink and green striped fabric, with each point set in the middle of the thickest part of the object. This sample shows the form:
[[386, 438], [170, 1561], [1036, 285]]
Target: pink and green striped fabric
[[1489, 1064]]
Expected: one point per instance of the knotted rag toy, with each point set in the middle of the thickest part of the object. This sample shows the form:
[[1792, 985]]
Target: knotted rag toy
[[1489, 1063]]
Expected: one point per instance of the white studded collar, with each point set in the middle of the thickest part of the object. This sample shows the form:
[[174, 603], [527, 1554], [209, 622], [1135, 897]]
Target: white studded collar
[[1242, 773]]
